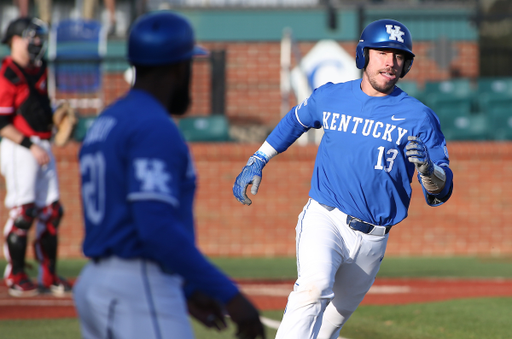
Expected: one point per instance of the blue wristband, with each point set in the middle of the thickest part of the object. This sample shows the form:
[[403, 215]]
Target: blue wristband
[[262, 156]]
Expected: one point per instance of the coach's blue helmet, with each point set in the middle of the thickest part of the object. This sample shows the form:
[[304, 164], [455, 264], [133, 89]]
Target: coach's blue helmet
[[161, 38], [385, 33]]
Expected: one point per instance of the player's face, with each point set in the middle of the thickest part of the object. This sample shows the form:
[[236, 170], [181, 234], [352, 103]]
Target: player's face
[[19, 50], [383, 71], [180, 98]]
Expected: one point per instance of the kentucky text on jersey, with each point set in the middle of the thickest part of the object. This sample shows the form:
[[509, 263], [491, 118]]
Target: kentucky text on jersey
[[366, 127]]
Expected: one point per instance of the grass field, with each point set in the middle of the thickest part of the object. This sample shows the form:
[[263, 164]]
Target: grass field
[[487, 318], [392, 267], [482, 318]]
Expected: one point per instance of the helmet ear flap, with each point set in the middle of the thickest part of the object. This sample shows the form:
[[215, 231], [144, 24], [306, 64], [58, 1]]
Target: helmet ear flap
[[366, 57], [407, 67]]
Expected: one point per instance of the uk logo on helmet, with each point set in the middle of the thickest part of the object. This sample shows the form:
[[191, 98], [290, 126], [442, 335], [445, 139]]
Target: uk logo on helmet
[[394, 32]]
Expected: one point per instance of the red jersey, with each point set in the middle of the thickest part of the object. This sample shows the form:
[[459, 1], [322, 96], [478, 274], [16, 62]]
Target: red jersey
[[24, 96]]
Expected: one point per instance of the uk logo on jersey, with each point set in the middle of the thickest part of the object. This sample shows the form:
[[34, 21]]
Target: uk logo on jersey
[[152, 174], [395, 33]]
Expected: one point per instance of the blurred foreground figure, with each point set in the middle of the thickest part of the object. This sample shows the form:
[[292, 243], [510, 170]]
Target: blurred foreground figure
[[138, 185]]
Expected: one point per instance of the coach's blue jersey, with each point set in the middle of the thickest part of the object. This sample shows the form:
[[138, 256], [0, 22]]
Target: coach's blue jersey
[[138, 185], [361, 166]]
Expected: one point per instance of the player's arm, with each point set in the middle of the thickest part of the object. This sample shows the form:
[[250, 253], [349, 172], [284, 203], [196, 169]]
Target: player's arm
[[8, 131], [252, 173], [287, 131], [436, 180], [161, 209], [168, 242]]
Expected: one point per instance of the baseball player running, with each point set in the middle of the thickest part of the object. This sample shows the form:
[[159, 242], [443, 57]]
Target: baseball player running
[[375, 137], [138, 184], [27, 162]]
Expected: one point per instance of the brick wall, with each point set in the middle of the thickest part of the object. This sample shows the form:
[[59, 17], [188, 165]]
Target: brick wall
[[475, 221], [253, 77]]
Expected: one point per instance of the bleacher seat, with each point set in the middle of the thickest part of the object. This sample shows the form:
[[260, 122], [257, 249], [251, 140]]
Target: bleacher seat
[[447, 106], [498, 109], [205, 128], [458, 87], [453, 94], [457, 120], [83, 124], [466, 127], [76, 51], [453, 101], [411, 88], [501, 85], [495, 101]]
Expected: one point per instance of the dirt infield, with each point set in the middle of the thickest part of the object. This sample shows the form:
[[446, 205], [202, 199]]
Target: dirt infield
[[271, 295]]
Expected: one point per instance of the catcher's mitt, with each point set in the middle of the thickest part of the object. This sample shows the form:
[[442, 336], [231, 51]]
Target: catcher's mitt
[[64, 119]]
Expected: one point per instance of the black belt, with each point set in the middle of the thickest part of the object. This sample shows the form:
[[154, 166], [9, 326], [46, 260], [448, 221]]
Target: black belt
[[361, 226], [365, 227]]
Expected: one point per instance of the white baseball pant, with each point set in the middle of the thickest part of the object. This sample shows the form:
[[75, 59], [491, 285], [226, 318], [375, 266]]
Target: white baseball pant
[[26, 181], [130, 299], [336, 267]]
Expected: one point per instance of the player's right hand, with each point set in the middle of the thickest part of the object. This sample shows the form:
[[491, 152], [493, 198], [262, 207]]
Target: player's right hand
[[40, 154], [251, 174], [246, 317]]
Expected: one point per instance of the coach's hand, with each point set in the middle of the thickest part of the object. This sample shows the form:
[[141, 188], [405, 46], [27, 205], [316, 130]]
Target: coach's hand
[[417, 153], [251, 174], [247, 318], [206, 310]]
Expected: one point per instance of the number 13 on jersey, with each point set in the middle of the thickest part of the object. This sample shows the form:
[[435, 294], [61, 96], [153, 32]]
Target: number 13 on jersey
[[385, 162]]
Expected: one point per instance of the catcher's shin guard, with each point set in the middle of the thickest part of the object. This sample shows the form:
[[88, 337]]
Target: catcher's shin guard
[[46, 242], [15, 232]]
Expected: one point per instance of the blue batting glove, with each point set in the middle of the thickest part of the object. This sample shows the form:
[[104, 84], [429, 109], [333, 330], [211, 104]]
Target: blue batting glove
[[417, 153], [251, 174]]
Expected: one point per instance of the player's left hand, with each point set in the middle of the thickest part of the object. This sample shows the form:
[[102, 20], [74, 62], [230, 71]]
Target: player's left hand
[[40, 154], [251, 174], [417, 153], [206, 310], [246, 317]]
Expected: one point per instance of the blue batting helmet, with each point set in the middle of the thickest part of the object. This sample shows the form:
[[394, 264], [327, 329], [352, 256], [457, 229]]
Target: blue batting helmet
[[385, 33], [161, 38]]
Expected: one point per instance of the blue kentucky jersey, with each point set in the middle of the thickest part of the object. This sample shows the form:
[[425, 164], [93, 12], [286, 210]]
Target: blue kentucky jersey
[[132, 152], [138, 185], [361, 166]]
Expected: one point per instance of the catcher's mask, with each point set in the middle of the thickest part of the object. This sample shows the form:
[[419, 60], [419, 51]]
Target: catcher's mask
[[385, 33], [36, 33]]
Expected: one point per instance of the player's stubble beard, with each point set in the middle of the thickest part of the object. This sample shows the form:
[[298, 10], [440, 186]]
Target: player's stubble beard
[[388, 86], [180, 98]]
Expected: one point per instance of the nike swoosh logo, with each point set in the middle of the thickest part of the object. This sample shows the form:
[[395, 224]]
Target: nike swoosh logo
[[396, 119]]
